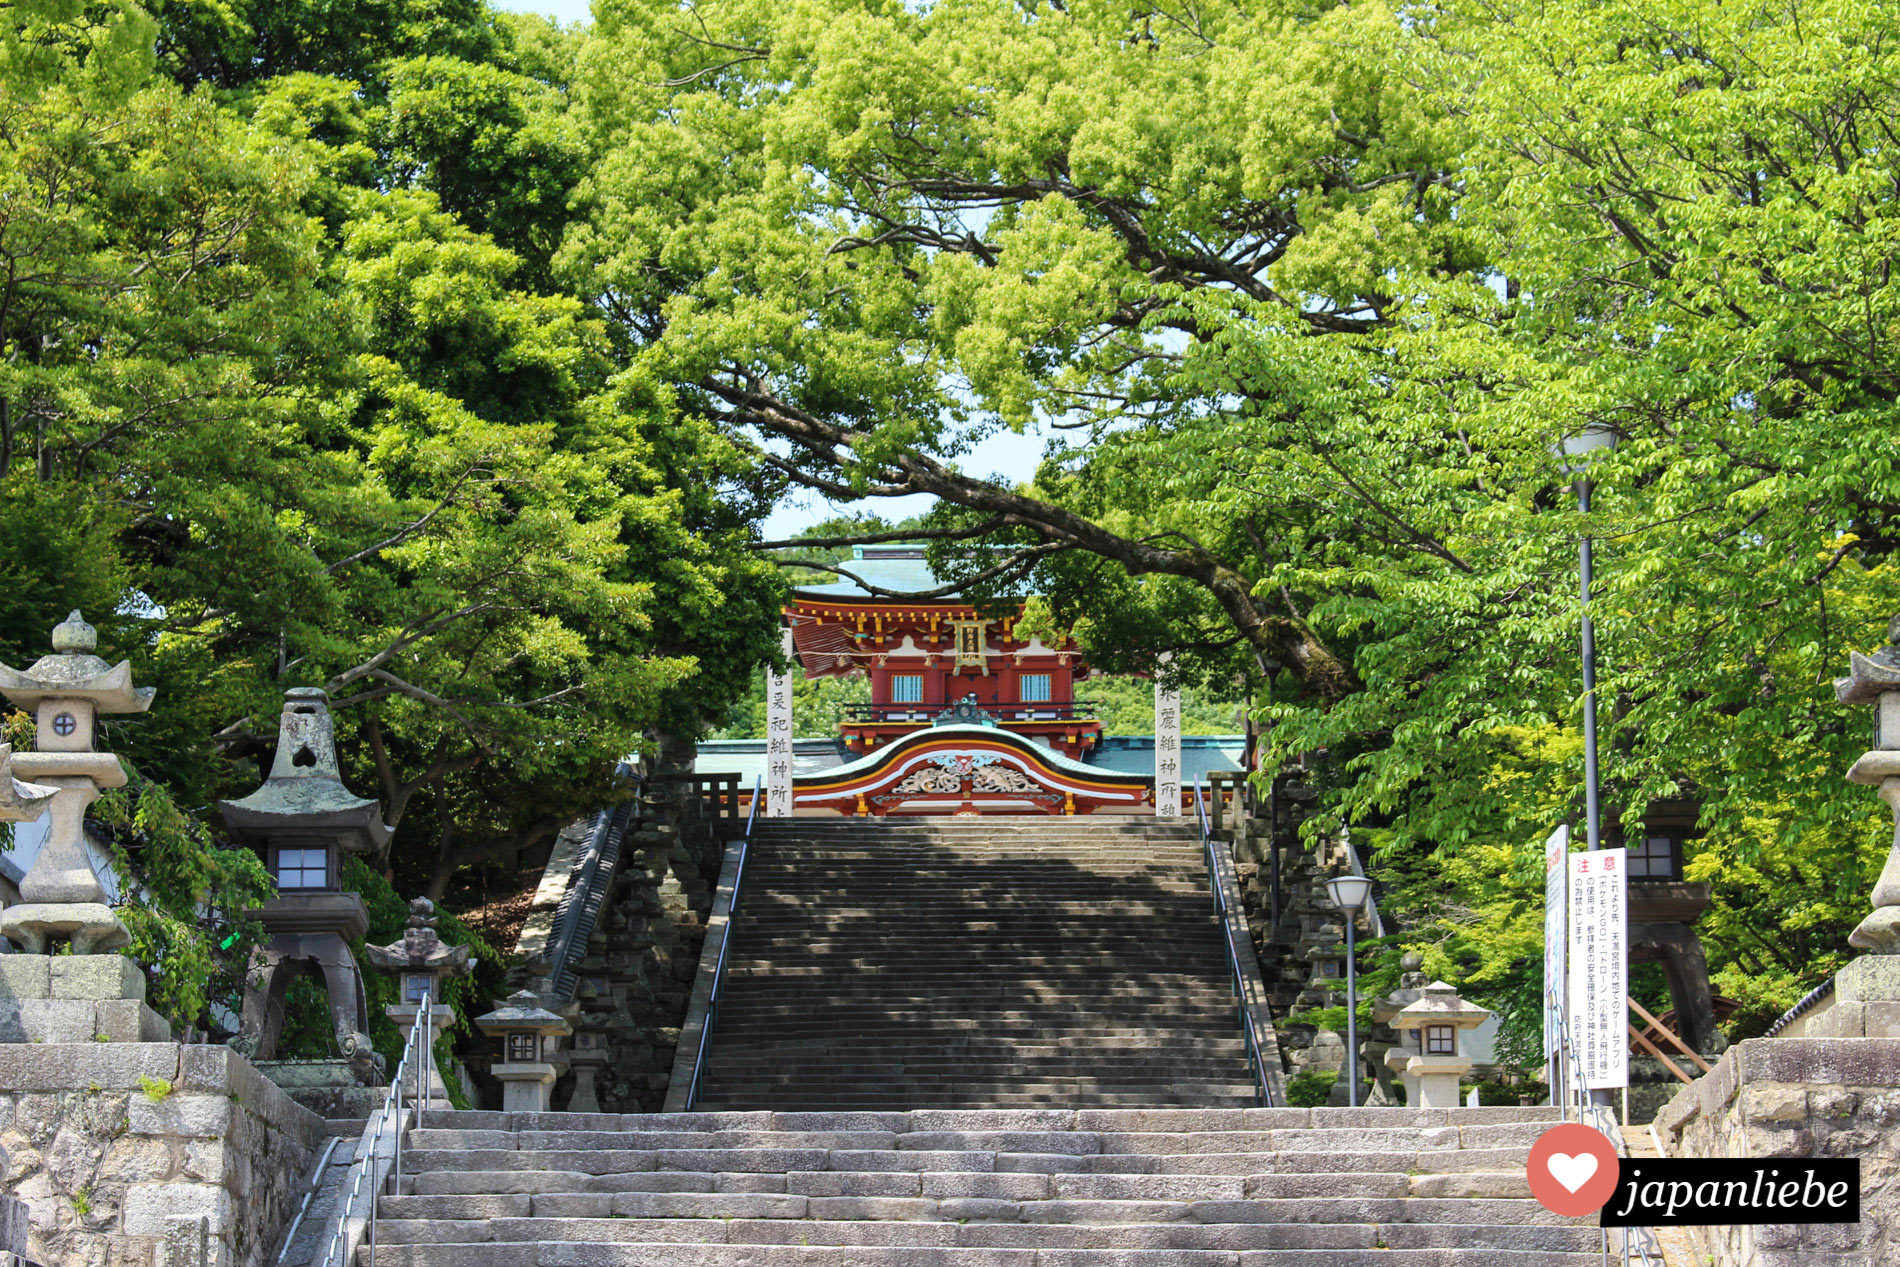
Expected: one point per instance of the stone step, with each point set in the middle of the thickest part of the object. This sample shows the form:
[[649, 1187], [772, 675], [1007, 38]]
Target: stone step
[[595, 1173], [909, 1010], [699, 1254], [1002, 1138], [1130, 1000], [1057, 1211], [979, 1227], [1452, 1174], [1175, 1048], [847, 1098], [1125, 1121], [584, 1184], [1078, 1030], [855, 1093]]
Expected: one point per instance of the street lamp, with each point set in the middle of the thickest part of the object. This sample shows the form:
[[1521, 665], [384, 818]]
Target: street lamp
[[1576, 454], [1349, 894]]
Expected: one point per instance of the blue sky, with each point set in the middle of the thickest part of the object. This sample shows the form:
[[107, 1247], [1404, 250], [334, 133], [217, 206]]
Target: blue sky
[[561, 10]]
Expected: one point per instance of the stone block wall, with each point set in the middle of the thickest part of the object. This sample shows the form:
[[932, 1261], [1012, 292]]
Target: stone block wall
[[76, 999], [1794, 1098], [633, 982], [109, 1145], [639, 968]]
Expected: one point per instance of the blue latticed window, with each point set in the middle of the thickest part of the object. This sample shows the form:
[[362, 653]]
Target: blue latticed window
[[1655, 858], [302, 869], [1036, 688], [907, 688]]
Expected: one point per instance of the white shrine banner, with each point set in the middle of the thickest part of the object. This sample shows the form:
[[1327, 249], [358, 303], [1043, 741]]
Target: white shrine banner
[[1599, 967], [778, 738], [1167, 746], [1556, 933]]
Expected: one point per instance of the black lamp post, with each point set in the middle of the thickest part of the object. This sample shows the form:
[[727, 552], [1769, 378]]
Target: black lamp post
[[1578, 452], [1349, 894]]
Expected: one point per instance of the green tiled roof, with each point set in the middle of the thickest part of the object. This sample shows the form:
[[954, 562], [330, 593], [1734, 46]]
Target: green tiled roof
[[890, 567]]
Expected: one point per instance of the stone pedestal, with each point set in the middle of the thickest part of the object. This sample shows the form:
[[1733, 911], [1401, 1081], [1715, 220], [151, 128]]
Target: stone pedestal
[[525, 1087], [587, 1063], [76, 999], [1431, 1082], [439, 1019], [1399, 1061]]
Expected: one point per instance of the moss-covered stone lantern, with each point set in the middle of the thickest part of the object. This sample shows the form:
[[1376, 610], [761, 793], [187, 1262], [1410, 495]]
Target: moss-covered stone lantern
[[303, 822], [422, 962]]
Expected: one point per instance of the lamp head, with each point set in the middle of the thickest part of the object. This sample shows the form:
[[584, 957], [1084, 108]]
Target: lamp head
[[1348, 891], [1576, 453]]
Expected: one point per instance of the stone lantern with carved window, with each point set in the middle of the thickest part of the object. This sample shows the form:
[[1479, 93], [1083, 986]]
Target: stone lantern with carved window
[[61, 899], [303, 822], [422, 962], [1432, 1066], [526, 1036]]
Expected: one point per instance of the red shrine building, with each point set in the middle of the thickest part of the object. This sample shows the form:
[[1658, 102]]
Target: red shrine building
[[922, 658], [967, 715]]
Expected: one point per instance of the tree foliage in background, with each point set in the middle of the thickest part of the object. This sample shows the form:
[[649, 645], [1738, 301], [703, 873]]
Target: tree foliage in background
[[448, 360], [1310, 294], [288, 398]]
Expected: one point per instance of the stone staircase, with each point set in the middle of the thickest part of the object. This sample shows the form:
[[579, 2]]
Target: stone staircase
[[963, 963], [978, 1188]]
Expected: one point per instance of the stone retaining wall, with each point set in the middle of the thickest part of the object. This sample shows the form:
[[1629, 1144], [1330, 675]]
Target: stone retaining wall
[[109, 1144], [1798, 1097]]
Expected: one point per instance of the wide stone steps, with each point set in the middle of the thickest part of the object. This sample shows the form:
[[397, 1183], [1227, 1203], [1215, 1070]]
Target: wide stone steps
[[936, 1188], [863, 952]]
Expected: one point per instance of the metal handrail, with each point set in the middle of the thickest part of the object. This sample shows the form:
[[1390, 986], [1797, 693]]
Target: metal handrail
[[1604, 1121], [388, 1122], [316, 1184], [571, 918], [1254, 1059], [725, 950]]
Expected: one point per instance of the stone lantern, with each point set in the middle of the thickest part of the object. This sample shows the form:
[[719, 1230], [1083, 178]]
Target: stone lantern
[[526, 1034], [1385, 1048], [1875, 680], [422, 963], [587, 1057], [302, 822], [1432, 1066], [60, 897]]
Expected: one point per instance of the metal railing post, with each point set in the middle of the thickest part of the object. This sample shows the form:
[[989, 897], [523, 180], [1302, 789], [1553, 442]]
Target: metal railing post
[[725, 950]]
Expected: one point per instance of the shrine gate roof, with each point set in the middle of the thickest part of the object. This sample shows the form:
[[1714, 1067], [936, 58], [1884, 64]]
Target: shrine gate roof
[[897, 567]]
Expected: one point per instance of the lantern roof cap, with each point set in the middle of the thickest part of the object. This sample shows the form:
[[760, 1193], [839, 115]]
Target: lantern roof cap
[[1439, 1004], [523, 1010], [304, 792], [421, 949], [1869, 677], [74, 672]]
